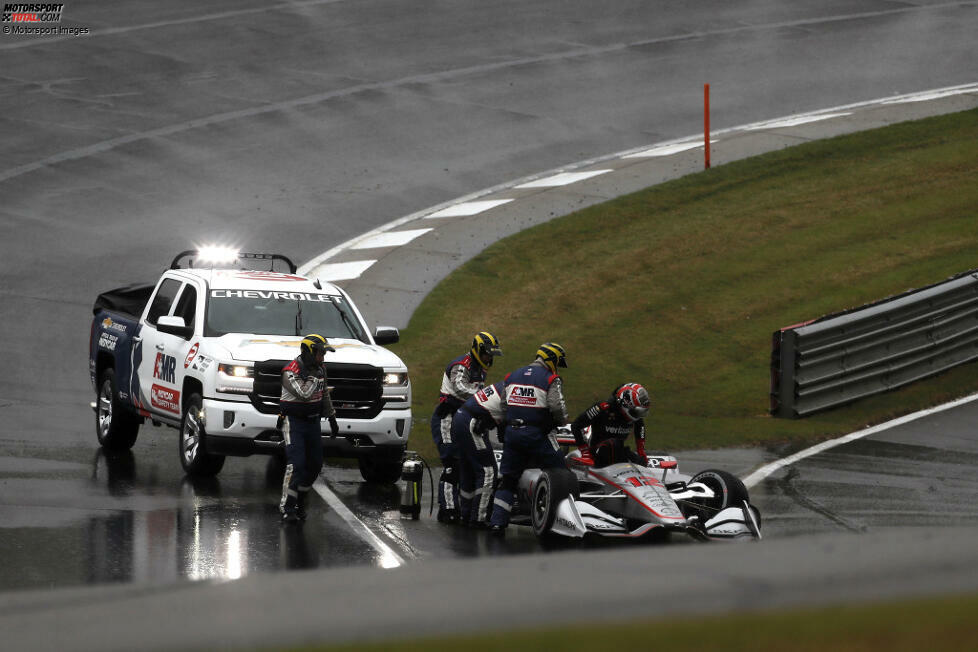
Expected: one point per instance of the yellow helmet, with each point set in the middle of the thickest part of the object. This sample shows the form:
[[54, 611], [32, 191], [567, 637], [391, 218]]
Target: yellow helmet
[[312, 344], [553, 355], [485, 344]]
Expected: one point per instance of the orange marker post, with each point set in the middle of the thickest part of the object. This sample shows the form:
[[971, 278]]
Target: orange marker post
[[706, 126]]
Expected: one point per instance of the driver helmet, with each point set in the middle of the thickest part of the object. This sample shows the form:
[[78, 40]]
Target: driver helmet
[[633, 401]]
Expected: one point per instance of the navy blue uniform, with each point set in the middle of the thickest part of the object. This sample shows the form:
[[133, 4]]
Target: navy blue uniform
[[463, 377], [477, 469], [304, 401], [534, 407]]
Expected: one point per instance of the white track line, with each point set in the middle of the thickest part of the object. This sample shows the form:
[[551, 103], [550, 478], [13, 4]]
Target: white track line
[[794, 122], [341, 271], [768, 469], [667, 150], [389, 239], [563, 179], [388, 558], [461, 205], [466, 209]]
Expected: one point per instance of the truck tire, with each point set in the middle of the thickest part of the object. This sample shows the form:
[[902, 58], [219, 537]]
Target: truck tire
[[115, 426], [194, 457], [381, 469]]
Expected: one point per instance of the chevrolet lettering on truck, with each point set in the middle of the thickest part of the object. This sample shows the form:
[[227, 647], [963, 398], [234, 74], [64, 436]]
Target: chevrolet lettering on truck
[[203, 350]]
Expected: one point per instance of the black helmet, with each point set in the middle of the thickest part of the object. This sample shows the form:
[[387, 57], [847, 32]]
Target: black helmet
[[311, 345], [553, 355], [486, 345], [633, 401]]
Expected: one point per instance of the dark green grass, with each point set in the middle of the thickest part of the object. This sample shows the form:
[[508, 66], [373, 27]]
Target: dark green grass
[[945, 623], [680, 286]]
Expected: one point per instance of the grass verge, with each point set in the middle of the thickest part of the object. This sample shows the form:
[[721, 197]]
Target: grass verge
[[928, 624], [680, 286]]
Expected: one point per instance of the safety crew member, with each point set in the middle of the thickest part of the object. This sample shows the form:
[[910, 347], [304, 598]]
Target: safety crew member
[[611, 422], [534, 407], [304, 402], [482, 414], [463, 377]]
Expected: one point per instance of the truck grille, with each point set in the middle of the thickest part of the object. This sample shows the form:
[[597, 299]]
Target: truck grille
[[357, 389]]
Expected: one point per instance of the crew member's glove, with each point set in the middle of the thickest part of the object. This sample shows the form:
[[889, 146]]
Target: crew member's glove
[[586, 456], [479, 426], [334, 427]]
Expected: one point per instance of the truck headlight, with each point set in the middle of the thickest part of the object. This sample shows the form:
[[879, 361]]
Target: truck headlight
[[236, 370], [395, 378], [235, 378]]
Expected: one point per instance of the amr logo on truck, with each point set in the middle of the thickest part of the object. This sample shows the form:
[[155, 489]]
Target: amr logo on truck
[[165, 368]]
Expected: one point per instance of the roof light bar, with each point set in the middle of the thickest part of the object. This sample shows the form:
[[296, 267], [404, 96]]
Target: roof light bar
[[216, 254]]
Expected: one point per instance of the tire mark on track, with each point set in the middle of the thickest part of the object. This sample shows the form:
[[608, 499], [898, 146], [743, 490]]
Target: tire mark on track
[[807, 503]]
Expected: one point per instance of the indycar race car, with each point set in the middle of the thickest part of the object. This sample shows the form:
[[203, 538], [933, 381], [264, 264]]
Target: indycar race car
[[629, 500]]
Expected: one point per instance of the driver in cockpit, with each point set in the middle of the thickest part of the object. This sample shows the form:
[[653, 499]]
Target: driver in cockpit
[[611, 423]]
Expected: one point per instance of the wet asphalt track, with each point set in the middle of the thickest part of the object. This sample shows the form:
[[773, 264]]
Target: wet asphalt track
[[300, 127]]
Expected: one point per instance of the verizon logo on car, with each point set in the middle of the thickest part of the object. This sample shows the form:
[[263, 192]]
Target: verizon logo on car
[[165, 398]]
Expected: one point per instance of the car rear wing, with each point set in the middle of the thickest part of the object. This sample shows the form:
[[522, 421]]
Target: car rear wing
[[226, 256]]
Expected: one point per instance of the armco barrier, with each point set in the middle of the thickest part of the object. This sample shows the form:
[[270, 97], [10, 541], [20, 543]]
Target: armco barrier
[[843, 357]]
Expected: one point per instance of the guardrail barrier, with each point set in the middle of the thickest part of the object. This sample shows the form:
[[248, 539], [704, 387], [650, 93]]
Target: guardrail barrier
[[845, 356]]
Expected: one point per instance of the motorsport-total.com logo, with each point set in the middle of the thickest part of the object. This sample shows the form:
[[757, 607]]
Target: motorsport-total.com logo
[[36, 19], [32, 13]]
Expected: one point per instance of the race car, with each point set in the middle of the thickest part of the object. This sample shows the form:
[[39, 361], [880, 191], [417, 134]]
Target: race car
[[628, 500]]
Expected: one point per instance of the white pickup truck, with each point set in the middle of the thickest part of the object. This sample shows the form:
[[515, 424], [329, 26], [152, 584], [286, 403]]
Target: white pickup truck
[[202, 350]]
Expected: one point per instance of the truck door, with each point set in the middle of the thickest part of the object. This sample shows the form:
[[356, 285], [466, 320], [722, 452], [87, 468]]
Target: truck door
[[183, 349], [156, 362]]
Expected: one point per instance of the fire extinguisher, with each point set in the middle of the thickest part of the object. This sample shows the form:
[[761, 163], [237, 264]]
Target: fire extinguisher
[[412, 470]]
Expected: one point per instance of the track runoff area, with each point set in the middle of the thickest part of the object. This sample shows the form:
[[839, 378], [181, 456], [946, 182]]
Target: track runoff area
[[478, 202]]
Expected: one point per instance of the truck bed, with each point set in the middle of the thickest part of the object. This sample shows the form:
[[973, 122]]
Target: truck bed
[[128, 300]]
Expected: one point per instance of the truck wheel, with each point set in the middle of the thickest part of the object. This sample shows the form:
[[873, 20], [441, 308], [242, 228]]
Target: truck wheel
[[194, 457], [380, 469], [551, 488], [115, 426]]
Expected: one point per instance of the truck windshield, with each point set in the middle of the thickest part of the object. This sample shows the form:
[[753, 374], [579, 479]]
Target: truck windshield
[[280, 313]]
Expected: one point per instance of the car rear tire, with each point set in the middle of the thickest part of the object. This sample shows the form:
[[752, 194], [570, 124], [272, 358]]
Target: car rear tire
[[194, 458], [380, 469], [551, 488], [728, 491], [115, 426]]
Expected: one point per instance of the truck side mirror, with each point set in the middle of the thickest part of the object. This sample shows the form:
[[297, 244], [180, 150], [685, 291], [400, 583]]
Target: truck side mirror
[[387, 335], [174, 326]]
